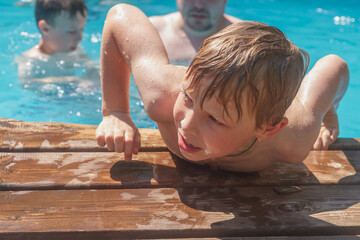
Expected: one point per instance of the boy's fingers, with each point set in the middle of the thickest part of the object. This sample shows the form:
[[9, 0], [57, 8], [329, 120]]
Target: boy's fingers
[[119, 141], [317, 144], [137, 143], [334, 135], [128, 145], [109, 139], [100, 137], [325, 140]]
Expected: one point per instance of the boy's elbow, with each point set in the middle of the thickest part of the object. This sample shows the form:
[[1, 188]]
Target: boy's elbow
[[117, 12], [338, 64], [124, 11]]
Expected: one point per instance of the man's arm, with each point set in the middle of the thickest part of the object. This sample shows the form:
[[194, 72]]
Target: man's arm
[[130, 44]]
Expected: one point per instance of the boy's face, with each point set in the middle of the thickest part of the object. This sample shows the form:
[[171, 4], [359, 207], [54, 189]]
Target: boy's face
[[207, 132], [201, 15], [65, 33]]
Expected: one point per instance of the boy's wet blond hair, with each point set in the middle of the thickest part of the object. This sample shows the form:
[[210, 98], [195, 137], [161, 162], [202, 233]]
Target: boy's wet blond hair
[[254, 60]]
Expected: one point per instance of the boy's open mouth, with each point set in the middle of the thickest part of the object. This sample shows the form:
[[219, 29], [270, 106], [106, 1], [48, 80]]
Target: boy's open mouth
[[186, 146]]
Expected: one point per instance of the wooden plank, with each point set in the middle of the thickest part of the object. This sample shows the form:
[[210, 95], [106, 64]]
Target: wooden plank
[[35, 136], [338, 237], [73, 170], [346, 144], [181, 212], [18, 136]]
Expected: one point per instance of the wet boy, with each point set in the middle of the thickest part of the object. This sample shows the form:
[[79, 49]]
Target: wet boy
[[61, 24], [242, 105]]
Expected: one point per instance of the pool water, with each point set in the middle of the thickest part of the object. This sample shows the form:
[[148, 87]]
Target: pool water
[[320, 27]]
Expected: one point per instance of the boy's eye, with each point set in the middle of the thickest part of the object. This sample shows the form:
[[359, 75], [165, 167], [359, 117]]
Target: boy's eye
[[186, 97], [215, 120]]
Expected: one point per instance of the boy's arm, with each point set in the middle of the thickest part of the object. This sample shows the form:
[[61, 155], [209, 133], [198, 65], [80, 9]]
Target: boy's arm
[[130, 44], [322, 91], [312, 115]]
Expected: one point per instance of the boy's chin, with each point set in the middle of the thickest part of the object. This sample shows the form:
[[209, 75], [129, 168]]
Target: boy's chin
[[198, 157], [68, 50]]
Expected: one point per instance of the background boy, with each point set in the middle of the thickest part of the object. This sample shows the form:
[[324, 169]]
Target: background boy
[[237, 107], [61, 24]]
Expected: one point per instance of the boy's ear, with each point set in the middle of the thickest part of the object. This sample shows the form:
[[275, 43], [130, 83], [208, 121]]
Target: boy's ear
[[43, 26], [271, 130]]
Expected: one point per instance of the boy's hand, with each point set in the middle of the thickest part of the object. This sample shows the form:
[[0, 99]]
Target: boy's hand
[[119, 133], [329, 132]]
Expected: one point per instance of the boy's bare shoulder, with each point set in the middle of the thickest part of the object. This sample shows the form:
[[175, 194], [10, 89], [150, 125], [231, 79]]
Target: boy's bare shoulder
[[34, 52], [159, 102]]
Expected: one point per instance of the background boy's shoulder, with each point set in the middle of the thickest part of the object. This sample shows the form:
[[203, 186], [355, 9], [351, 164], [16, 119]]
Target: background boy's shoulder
[[34, 52]]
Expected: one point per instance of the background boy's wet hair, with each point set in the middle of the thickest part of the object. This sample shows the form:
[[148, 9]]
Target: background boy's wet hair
[[251, 60], [49, 9]]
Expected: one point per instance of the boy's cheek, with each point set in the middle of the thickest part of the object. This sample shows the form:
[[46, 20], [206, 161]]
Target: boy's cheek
[[177, 117], [177, 113]]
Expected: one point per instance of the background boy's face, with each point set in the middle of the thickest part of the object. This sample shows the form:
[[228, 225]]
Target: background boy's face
[[65, 33], [201, 15]]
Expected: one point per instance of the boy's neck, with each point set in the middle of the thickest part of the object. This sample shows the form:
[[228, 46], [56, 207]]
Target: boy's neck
[[244, 150], [44, 49]]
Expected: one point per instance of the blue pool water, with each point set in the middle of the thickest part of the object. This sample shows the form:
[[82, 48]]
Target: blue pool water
[[319, 26]]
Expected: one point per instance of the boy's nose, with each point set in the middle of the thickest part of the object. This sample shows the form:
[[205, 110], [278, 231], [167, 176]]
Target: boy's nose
[[189, 123]]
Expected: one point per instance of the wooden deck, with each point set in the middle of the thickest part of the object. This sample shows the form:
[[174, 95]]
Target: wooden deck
[[56, 183]]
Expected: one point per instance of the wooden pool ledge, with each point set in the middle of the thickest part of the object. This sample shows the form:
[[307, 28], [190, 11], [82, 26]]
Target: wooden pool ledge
[[56, 183]]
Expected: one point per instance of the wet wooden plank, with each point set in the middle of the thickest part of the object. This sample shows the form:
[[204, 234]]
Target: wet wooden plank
[[110, 236], [181, 212], [338, 237], [18, 136], [73, 170], [346, 144]]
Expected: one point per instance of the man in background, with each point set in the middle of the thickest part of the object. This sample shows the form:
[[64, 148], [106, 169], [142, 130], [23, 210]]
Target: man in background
[[183, 32]]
